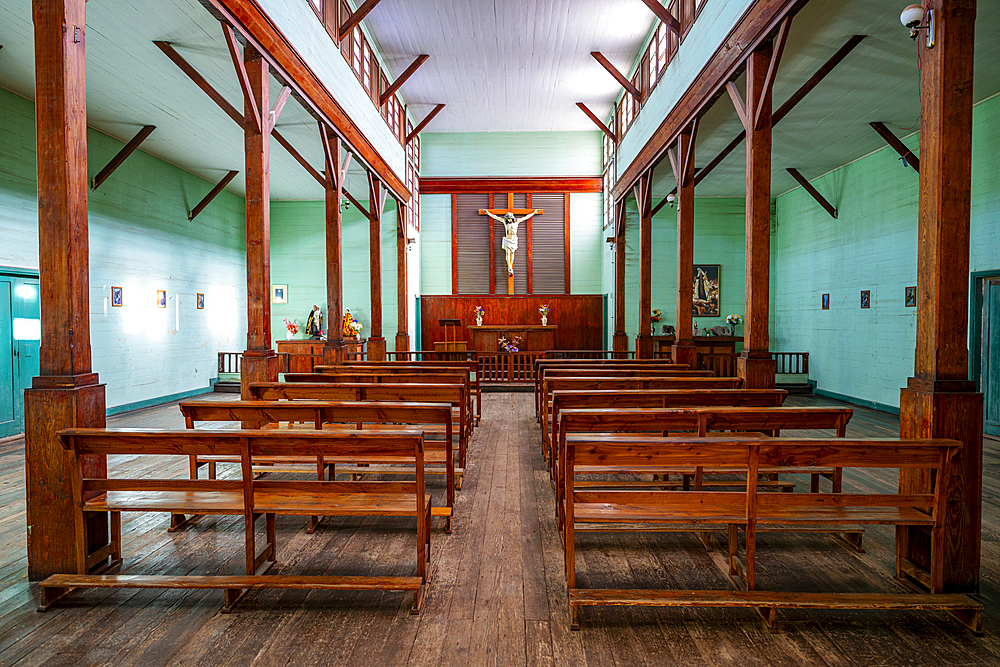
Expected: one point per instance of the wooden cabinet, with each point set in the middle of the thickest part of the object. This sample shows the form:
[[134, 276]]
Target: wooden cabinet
[[303, 355]]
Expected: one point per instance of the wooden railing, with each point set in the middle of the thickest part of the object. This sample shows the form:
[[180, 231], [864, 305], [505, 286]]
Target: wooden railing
[[589, 354], [232, 362], [507, 367], [791, 362], [423, 355]]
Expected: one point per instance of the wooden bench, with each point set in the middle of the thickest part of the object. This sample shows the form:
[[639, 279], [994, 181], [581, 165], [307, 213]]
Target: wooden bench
[[749, 509], [438, 456], [597, 383], [470, 366], [250, 497], [542, 364], [406, 393], [700, 421]]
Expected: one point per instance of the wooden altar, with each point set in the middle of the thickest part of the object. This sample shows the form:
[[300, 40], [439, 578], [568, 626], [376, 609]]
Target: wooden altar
[[705, 344], [536, 338], [304, 354]]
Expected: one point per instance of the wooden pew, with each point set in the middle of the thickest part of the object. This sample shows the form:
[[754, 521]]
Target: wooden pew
[[596, 383], [470, 366], [249, 496], [700, 421], [541, 365], [406, 393], [320, 415], [750, 509]]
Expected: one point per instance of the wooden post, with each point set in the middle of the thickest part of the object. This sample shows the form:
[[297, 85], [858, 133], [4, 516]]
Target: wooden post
[[333, 349], [402, 317], [620, 338], [643, 197], [939, 401], [259, 364], [67, 393], [684, 350], [376, 201], [754, 363]]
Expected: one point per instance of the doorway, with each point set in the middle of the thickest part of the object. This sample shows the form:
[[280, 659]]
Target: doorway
[[20, 334], [986, 343]]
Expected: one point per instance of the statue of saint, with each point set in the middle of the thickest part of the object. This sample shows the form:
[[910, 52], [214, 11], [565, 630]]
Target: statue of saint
[[509, 241], [347, 331], [314, 325]]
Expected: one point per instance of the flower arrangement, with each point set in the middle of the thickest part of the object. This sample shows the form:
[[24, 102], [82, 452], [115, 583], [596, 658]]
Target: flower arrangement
[[543, 309], [734, 320], [656, 316], [357, 327], [479, 311], [510, 345], [293, 326]]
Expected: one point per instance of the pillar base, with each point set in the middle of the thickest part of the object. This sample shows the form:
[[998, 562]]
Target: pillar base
[[644, 346], [52, 404], [257, 366], [756, 369], [376, 348], [402, 341], [333, 352], [946, 409], [619, 344], [684, 352]]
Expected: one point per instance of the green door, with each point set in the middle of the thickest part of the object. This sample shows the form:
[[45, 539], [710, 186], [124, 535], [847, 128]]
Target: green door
[[20, 335], [990, 381], [8, 366]]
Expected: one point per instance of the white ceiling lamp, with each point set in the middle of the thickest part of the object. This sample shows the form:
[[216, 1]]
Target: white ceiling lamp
[[916, 19]]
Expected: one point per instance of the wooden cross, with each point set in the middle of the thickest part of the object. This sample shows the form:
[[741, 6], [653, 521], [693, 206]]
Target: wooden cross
[[503, 211]]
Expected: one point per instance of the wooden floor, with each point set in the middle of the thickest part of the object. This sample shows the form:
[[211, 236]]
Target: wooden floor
[[497, 588]]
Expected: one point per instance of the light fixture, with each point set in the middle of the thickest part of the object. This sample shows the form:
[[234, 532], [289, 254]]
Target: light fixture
[[916, 19], [671, 199]]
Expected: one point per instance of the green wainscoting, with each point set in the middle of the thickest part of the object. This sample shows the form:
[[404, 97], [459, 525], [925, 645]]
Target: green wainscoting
[[523, 154]]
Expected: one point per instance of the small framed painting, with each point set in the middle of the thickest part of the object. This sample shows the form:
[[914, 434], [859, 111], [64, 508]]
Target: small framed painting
[[826, 302], [200, 298], [866, 298], [911, 297], [116, 296], [707, 290], [279, 293], [161, 298]]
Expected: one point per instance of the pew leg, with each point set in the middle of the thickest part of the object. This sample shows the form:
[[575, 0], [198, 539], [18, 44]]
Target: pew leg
[[970, 618], [770, 617], [734, 548], [116, 537], [838, 479], [418, 598], [814, 483], [853, 539], [705, 538], [211, 469], [49, 595], [231, 597], [574, 617], [179, 521]]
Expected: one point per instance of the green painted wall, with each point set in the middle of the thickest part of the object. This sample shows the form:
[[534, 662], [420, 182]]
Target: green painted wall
[[298, 259], [719, 231], [140, 240], [868, 354]]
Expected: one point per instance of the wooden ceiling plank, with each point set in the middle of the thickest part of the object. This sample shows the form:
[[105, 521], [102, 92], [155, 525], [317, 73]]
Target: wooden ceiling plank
[[597, 121], [619, 77], [241, 74], [123, 154], [359, 14], [213, 193], [908, 157], [422, 124], [808, 187], [401, 79]]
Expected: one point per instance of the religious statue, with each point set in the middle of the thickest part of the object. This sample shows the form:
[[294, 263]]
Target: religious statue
[[509, 241], [347, 331], [314, 325]]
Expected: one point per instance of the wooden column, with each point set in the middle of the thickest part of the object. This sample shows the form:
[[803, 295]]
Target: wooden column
[[376, 201], [259, 364], [643, 197], [619, 342], [402, 317], [939, 401], [754, 363], [333, 349], [67, 393], [684, 350]]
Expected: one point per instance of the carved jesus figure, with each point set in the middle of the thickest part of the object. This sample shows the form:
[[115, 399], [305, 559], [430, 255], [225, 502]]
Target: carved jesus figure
[[509, 241]]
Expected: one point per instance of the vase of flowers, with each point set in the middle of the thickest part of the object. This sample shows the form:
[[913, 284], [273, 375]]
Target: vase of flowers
[[357, 327], [733, 321], [654, 319], [292, 329], [543, 310], [479, 316]]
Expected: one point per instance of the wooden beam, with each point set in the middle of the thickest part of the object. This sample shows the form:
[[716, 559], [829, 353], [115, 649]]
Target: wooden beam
[[376, 202], [643, 193], [333, 348], [619, 340], [741, 107], [908, 157], [808, 187], [241, 73], [597, 121], [757, 25], [212, 194], [401, 79], [772, 69], [123, 154], [422, 124], [279, 105], [402, 313], [619, 77], [684, 350], [359, 14], [298, 157], [664, 15]]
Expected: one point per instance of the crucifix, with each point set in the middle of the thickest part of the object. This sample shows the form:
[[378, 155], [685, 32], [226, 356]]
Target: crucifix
[[510, 224]]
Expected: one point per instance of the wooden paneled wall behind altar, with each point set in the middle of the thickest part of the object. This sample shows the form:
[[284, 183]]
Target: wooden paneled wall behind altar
[[579, 317]]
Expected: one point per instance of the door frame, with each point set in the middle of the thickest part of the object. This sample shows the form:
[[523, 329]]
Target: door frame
[[976, 279], [15, 273]]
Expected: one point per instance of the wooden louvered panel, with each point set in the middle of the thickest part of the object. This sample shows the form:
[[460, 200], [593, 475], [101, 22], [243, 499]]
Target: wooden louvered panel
[[520, 257], [549, 244], [473, 243]]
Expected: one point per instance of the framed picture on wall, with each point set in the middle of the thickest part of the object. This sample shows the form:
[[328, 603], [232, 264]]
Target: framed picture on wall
[[200, 299], [866, 296], [116, 297], [707, 293], [279, 293], [161, 298], [826, 302], [910, 301]]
